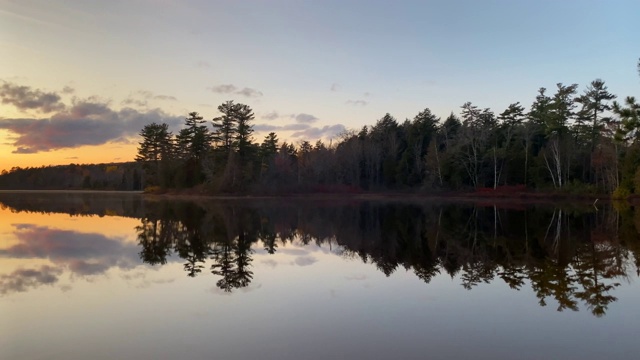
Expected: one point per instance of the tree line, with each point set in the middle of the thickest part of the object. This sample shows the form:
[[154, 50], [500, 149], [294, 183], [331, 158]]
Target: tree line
[[115, 176], [569, 140]]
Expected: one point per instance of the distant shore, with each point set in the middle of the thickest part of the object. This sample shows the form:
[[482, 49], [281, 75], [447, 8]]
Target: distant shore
[[523, 197], [191, 194], [68, 191]]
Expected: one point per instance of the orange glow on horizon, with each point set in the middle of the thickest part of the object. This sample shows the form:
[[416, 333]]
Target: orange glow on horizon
[[107, 153], [122, 228]]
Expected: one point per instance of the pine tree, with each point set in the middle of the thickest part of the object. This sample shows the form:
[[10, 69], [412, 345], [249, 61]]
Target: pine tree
[[242, 140], [154, 152], [194, 142], [224, 126], [594, 101]]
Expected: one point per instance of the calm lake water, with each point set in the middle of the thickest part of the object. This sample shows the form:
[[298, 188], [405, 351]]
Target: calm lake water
[[112, 276]]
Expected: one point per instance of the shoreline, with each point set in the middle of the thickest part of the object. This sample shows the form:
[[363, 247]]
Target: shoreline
[[496, 197], [528, 197]]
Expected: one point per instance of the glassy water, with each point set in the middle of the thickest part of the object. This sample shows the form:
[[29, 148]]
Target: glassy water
[[114, 276]]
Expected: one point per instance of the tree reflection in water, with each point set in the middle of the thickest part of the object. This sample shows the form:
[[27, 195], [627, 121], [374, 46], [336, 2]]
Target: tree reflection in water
[[572, 256], [569, 256]]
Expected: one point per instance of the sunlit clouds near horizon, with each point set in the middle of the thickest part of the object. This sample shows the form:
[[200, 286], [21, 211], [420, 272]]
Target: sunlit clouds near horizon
[[78, 80], [51, 123]]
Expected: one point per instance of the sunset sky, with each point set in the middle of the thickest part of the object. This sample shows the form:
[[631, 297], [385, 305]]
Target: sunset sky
[[79, 79]]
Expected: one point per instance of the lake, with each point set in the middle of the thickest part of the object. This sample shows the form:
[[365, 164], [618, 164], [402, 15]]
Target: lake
[[117, 276]]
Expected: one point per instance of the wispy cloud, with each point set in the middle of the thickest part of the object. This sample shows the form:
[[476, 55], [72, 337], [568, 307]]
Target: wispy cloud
[[289, 127], [165, 97], [305, 260], [232, 89], [35, 20], [249, 92], [203, 64], [305, 118], [25, 98], [141, 98], [357, 102], [22, 280], [134, 102], [270, 116], [270, 263], [335, 87], [312, 133], [223, 89]]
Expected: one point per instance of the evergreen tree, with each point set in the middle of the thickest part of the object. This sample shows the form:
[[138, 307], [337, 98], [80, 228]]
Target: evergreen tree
[[195, 138], [194, 142], [224, 126], [594, 101], [243, 115], [154, 152]]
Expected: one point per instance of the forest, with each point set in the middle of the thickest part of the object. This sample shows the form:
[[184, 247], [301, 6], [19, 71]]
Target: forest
[[115, 176], [568, 140]]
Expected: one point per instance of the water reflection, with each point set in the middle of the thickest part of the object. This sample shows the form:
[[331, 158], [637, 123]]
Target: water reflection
[[569, 256]]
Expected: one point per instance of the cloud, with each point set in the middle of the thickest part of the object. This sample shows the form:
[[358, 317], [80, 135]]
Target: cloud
[[22, 280], [293, 251], [24, 98], [357, 102], [148, 283], [165, 97], [270, 263], [140, 98], [289, 127], [270, 116], [81, 253], [203, 64], [335, 87], [224, 89], [266, 127], [134, 102], [367, 94], [328, 131], [232, 89], [68, 90], [249, 92], [84, 123], [23, 150], [295, 127], [145, 94], [305, 118], [305, 260]]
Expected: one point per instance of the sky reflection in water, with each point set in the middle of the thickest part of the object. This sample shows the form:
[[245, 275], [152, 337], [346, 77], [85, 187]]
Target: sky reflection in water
[[125, 278]]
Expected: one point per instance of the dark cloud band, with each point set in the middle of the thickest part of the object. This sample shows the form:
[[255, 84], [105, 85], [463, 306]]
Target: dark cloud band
[[25, 98], [84, 123]]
